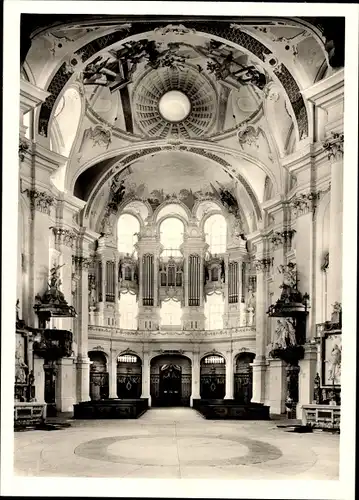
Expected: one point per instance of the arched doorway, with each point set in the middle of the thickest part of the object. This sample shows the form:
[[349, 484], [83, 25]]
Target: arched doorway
[[213, 377], [99, 388], [129, 376], [243, 377], [171, 380]]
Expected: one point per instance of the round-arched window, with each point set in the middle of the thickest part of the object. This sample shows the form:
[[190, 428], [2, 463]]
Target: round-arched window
[[127, 229], [171, 236], [215, 229]]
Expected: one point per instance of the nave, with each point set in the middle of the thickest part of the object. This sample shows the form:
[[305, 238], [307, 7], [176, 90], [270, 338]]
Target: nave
[[176, 443]]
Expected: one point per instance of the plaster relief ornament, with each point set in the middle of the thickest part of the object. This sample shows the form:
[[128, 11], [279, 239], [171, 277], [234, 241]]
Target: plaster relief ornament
[[248, 134], [175, 29], [99, 135]]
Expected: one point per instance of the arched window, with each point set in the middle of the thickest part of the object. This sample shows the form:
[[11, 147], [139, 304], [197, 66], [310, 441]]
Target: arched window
[[214, 310], [171, 235], [215, 229], [63, 130], [128, 311], [127, 227], [171, 313]]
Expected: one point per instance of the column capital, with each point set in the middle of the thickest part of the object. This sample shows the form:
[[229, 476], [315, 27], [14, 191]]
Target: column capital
[[64, 236], [40, 201], [81, 263], [334, 146], [303, 203], [280, 238], [263, 264]]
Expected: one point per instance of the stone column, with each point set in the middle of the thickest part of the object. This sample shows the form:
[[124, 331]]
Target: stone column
[[146, 377], [229, 376], [334, 147], [195, 377], [81, 330], [113, 375], [82, 263], [259, 365], [308, 370], [277, 386], [65, 383]]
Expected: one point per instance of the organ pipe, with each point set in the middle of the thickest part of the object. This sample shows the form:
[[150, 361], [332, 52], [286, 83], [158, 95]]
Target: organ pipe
[[110, 281], [148, 276], [233, 283], [194, 280], [99, 282]]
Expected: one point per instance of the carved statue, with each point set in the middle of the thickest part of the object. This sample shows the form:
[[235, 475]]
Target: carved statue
[[335, 362], [20, 368], [290, 274], [250, 315], [317, 395], [285, 334], [223, 272], [17, 309]]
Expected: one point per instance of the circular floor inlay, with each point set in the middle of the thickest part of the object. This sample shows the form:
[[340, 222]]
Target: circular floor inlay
[[174, 106], [159, 450]]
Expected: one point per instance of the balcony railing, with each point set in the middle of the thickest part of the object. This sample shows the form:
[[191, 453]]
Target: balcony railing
[[115, 332]]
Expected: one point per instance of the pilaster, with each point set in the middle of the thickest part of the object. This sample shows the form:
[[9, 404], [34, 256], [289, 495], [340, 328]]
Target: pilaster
[[113, 375], [146, 376], [229, 375], [195, 376], [308, 370], [65, 386], [277, 386]]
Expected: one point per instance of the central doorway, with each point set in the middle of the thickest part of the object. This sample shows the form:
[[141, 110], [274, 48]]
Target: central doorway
[[171, 381]]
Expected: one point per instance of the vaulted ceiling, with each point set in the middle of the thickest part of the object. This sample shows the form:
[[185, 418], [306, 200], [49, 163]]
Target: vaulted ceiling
[[227, 91]]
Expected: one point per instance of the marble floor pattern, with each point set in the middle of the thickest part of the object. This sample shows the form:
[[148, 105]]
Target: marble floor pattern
[[176, 443]]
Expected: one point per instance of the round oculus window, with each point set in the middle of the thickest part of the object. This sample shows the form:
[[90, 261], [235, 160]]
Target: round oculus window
[[174, 106]]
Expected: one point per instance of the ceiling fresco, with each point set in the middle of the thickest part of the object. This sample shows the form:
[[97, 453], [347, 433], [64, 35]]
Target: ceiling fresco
[[241, 110]]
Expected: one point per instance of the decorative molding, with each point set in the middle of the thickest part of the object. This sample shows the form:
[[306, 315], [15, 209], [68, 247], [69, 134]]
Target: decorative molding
[[334, 146], [40, 200], [64, 236]]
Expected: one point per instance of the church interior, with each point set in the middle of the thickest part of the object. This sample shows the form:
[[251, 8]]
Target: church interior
[[179, 246]]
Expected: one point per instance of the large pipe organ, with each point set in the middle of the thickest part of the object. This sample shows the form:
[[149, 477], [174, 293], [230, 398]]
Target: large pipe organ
[[152, 276]]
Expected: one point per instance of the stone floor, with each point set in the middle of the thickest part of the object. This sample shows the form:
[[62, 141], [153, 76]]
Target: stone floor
[[177, 443]]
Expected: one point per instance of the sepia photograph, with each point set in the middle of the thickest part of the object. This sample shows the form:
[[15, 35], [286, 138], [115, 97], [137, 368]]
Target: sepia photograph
[[182, 275]]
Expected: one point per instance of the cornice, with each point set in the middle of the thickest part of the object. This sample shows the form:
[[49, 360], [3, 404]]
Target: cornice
[[274, 205], [70, 202], [324, 93], [88, 235], [46, 159], [31, 96]]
